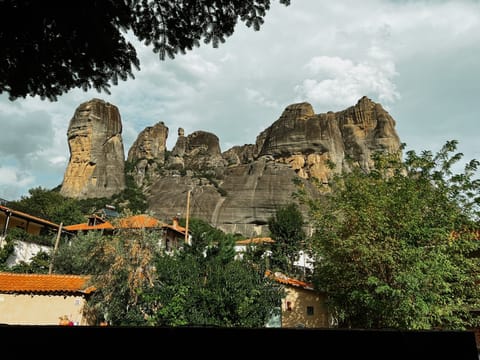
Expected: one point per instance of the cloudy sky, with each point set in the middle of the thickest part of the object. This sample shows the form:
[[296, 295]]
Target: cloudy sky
[[419, 59]]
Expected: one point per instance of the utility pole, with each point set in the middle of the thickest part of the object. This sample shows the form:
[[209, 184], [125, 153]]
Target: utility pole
[[50, 268], [188, 215]]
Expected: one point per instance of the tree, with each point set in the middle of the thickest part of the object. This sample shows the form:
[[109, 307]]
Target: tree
[[50, 47], [49, 205], [138, 284], [123, 269], [7, 249], [397, 247], [286, 228], [83, 254], [211, 290], [38, 264]]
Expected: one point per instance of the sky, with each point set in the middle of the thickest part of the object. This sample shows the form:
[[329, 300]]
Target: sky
[[418, 59]]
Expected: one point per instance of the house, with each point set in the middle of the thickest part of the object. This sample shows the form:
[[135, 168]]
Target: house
[[302, 307], [141, 221], [40, 299], [94, 222], [172, 236], [33, 225], [241, 246], [108, 212]]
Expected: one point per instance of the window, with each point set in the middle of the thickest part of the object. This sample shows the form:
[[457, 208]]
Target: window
[[310, 310]]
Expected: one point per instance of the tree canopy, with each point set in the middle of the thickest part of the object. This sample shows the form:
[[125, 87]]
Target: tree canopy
[[49, 205], [139, 284], [286, 229], [51, 47], [397, 247]]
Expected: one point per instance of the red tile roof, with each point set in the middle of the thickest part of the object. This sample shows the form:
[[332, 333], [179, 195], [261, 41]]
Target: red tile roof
[[175, 227], [131, 222], [283, 279], [85, 226], [139, 221], [44, 283], [260, 240]]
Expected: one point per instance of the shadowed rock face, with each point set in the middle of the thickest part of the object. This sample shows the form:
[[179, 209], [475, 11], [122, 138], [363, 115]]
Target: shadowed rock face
[[97, 158], [307, 140], [252, 181], [147, 153], [240, 189]]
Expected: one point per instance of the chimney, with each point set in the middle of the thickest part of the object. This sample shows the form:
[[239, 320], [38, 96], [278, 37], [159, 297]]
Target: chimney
[[175, 222]]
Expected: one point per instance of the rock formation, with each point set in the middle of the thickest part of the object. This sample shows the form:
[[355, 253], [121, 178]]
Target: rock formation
[[308, 141], [245, 189], [240, 189], [97, 157], [147, 153]]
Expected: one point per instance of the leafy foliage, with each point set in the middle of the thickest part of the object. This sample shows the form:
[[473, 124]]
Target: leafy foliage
[[205, 235], [214, 290], [81, 254], [49, 205], [38, 264], [123, 268], [5, 251], [131, 198], [386, 254], [47, 238], [139, 284], [51, 47], [286, 228]]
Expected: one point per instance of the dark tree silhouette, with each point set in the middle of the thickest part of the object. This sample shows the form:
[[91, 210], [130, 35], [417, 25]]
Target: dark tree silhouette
[[50, 47]]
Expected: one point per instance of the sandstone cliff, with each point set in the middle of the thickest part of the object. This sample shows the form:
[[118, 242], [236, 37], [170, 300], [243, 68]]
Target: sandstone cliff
[[239, 189], [97, 158], [147, 153]]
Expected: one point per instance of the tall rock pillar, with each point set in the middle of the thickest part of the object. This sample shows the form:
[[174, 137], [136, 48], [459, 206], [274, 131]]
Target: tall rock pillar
[[97, 157]]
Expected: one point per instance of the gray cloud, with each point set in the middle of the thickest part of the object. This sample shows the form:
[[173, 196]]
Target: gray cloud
[[417, 58]]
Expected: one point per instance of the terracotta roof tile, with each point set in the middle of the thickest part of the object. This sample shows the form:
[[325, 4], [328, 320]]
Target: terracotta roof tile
[[131, 222], [139, 221], [175, 227], [27, 283], [85, 226], [283, 279], [260, 240]]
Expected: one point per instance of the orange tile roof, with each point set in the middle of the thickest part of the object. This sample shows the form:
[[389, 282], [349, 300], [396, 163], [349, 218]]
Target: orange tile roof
[[131, 222], [283, 279], [139, 221], [260, 240], [28, 216], [44, 283], [176, 227], [85, 226]]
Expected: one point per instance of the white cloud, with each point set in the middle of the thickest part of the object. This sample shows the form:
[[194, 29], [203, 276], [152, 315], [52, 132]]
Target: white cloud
[[338, 82], [257, 97], [13, 182], [11, 176], [419, 59]]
